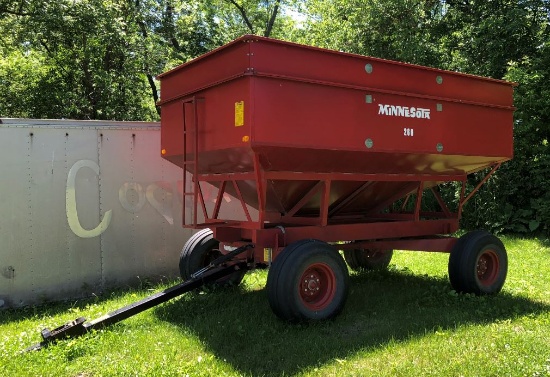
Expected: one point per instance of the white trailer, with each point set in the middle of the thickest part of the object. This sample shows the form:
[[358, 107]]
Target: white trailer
[[86, 205]]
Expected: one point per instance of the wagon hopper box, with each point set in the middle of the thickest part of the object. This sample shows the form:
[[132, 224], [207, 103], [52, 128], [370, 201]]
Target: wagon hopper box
[[330, 147]]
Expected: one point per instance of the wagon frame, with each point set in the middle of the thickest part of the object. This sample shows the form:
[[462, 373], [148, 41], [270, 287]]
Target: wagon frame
[[417, 230]]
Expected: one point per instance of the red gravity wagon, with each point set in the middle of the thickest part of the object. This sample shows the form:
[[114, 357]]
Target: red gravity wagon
[[324, 151], [329, 151]]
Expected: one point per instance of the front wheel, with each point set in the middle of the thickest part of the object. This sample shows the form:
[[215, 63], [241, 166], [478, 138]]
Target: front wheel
[[308, 281], [478, 264], [199, 251]]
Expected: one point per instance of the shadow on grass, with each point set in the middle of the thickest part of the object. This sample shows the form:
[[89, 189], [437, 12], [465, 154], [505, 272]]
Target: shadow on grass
[[60, 308], [240, 328]]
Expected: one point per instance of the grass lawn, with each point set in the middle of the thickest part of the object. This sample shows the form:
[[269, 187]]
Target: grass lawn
[[403, 322]]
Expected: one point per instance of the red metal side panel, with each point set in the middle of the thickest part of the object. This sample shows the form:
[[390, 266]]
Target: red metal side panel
[[320, 110], [171, 137], [296, 114], [327, 139], [229, 61], [224, 127], [324, 119], [310, 63]]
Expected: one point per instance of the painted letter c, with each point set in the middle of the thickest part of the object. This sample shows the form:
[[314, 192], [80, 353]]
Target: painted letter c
[[70, 198]]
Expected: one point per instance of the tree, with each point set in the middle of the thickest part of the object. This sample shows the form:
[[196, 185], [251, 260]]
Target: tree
[[257, 15], [87, 51], [508, 39], [482, 37], [397, 30], [97, 59]]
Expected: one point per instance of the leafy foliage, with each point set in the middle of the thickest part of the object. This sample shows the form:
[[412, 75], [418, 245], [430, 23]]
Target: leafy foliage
[[482, 37], [531, 164], [398, 30], [510, 41], [96, 59], [88, 69], [92, 59]]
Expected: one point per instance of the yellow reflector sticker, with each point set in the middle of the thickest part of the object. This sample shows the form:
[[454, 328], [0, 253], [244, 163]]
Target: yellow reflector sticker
[[239, 114], [267, 254]]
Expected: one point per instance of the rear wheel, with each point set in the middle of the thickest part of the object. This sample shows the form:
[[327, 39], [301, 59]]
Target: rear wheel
[[199, 251], [361, 259], [308, 281], [478, 264]]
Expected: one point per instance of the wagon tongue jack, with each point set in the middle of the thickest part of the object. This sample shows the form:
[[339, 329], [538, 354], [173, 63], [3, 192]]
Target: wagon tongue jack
[[210, 274]]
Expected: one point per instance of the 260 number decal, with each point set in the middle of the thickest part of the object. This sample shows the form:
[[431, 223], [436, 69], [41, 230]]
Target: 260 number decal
[[408, 132]]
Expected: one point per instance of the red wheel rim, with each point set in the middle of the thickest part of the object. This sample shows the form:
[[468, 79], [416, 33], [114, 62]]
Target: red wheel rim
[[317, 286], [487, 267]]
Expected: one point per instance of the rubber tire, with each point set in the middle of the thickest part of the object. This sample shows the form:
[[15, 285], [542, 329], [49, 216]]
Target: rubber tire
[[464, 263], [360, 259], [285, 277], [198, 252]]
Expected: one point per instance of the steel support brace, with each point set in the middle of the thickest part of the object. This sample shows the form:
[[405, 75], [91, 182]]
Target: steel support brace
[[433, 244], [350, 198], [382, 230], [314, 190], [418, 201], [325, 203], [243, 203], [441, 202], [463, 200], [261, 189], [202, 202], [411, 186], [219, 198]]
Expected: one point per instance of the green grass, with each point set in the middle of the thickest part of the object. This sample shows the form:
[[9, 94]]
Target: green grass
[[403, 322]]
